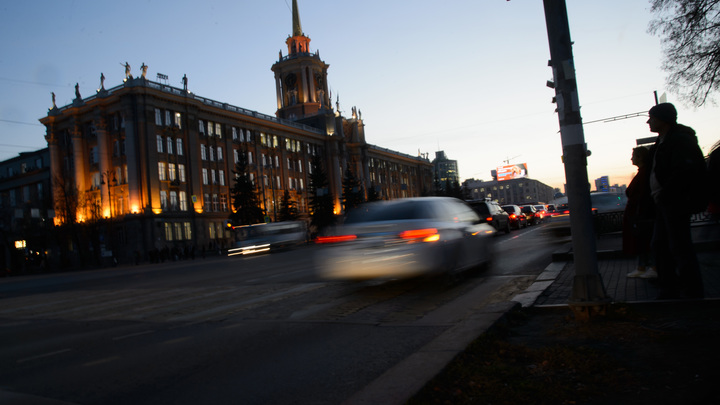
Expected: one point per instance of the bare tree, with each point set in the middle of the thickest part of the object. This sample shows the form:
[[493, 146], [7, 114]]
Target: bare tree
[[690, 34]]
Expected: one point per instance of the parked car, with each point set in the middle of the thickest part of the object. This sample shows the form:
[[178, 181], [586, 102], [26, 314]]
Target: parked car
[[405, 238], [518, 220], [530, 214], [490, 212]]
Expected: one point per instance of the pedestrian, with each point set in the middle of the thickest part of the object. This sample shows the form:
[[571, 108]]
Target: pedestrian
[[639, 216], [677, 167]]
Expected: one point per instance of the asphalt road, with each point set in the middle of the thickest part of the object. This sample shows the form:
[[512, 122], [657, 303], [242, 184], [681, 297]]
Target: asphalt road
[[252, 330]]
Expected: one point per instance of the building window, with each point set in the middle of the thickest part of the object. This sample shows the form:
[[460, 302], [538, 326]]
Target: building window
[[178, 231], [181, 172], [173, 200], [161, 171], [221, 174], [188, 230], [178, 120], [179, 146], [207, 202], [234, 134], [168, 232], [158, 117], [212, 154], [201, 127], [218, 130], [210, 128], [219, 154], [236, 157], [167, 117], [171, 172], [250, 158], [212, 176], [223, 202], [169, 145], [215, 202], [205, 176], [183, 201], [203, 152], [163, 200], [159, 144], [300, 165]]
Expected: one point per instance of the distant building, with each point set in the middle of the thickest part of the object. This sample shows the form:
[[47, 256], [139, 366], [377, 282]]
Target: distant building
[[514, 191], [26, 206], [445, 170], [159, 160], [602, 184]]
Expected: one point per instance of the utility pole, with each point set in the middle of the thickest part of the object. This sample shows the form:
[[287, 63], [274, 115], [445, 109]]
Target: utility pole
[[588, 295]]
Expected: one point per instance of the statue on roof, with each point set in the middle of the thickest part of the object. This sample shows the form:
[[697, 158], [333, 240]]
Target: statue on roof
[[53, 100], [77, 91], [143, 69], [127, 71], [102, 81]]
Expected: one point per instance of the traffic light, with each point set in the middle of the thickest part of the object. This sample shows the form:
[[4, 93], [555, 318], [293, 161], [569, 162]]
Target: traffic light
[[228, 224]]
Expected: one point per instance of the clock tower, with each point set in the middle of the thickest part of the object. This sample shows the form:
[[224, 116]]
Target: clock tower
[[300, 77]]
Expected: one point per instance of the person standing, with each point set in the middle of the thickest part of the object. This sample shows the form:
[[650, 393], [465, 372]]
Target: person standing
[[639, 216], [677, 162]]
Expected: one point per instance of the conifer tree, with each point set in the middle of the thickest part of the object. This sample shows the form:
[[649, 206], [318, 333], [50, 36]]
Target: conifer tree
[[244, 196]]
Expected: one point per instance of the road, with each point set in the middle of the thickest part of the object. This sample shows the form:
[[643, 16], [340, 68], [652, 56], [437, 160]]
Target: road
[[252, 330]]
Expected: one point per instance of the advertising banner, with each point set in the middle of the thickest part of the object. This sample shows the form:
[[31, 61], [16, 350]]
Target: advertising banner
[[508, 172]]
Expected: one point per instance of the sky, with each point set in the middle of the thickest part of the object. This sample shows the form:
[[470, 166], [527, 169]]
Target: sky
[[463, 76]]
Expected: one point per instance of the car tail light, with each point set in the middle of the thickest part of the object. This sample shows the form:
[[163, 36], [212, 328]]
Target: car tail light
[[489, 219], [335, 238], [425, 235], [513, 216]]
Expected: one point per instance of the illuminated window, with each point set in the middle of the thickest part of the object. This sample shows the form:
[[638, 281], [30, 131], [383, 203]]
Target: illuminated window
[[183, 201], [161, 171], [181, 172], [168, 232], [188, 230], [178, 120], [172, 174], [205, 176]]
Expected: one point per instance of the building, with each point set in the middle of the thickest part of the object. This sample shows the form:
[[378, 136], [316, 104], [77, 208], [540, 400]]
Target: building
[[445, 170], [26, 208], [514, 191], [155, 162]]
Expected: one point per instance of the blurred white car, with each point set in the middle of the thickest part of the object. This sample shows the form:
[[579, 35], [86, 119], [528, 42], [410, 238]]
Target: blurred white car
[[405, 238], [259, 238]]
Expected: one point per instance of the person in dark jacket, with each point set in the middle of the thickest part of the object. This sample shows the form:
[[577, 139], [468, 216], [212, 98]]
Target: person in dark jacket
[[677, 160], [639, 216]]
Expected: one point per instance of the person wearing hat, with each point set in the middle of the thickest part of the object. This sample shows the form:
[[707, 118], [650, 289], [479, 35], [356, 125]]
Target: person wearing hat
[[677, 167]]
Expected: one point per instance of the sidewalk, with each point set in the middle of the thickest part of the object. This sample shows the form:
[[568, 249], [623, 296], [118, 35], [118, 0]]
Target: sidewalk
[[554, 286]]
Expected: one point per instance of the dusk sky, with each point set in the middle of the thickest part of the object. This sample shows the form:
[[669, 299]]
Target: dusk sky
[[466, 77]]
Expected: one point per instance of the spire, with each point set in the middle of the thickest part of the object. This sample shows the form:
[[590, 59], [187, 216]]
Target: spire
[[296, 27]]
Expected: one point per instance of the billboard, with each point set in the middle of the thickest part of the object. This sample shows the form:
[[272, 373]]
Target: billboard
[[509, 172]]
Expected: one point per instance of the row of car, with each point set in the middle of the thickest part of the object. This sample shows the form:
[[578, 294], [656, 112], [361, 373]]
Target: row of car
[[505, 217]]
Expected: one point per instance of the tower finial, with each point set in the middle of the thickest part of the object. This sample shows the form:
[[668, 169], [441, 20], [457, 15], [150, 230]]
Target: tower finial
[[296, 28]]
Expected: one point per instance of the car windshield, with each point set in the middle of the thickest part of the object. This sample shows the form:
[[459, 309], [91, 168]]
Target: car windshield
[[509, 210], [527, 209], [390, 212]]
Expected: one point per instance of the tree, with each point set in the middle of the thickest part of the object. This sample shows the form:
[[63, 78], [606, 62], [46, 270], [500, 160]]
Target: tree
[[244, 196], [690, 33], [353, 194], [373, 194], [321, 199], [288, 210]]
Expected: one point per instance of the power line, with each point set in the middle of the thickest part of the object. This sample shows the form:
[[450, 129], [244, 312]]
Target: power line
[[21, 123]]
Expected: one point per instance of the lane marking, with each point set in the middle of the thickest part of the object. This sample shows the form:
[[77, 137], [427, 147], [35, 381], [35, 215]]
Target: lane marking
[[133, 335], [101, 361], [40, 356]]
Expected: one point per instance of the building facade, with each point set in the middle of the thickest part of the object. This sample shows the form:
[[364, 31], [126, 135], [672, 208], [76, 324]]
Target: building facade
[[157, 162], [514, 191], [26, 209], [445, 170]]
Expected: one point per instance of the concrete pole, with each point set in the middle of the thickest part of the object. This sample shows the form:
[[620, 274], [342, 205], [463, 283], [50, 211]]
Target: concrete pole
[[588, 295]]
